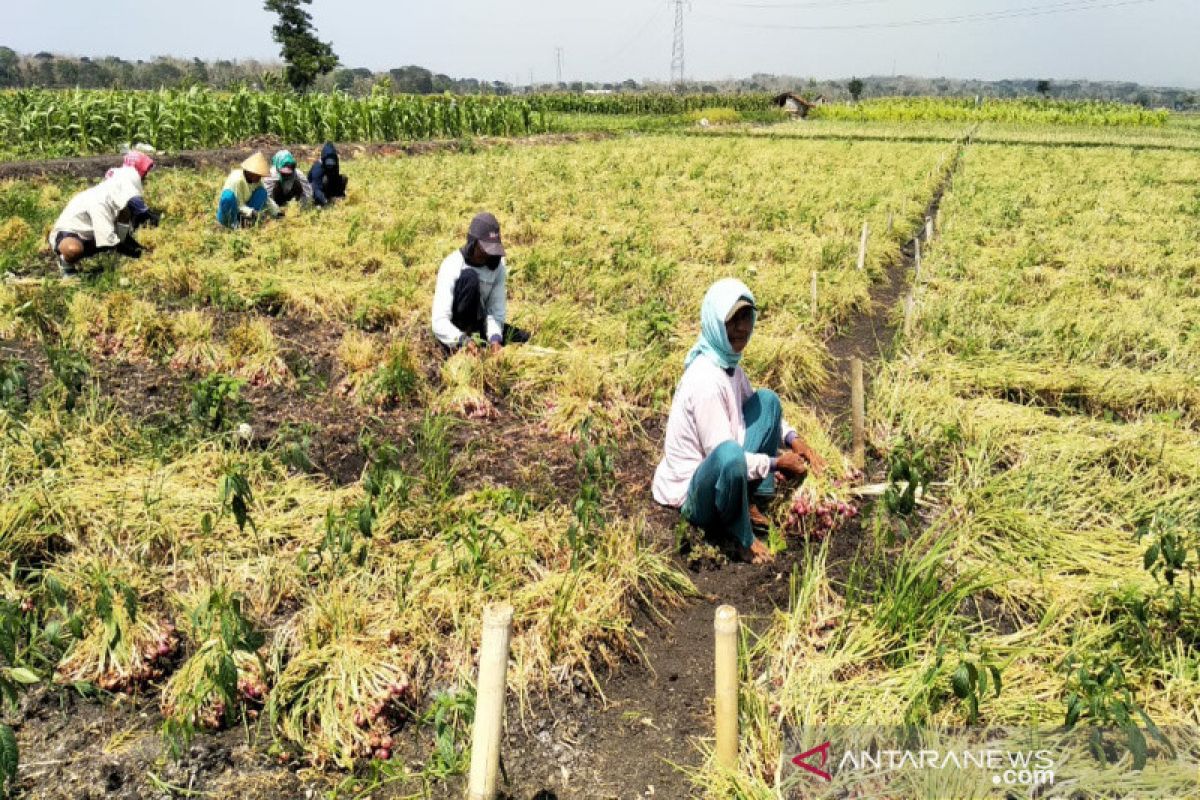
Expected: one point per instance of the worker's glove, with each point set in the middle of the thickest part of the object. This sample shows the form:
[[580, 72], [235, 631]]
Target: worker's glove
[[149, 219], [248, 219], [129, 247]]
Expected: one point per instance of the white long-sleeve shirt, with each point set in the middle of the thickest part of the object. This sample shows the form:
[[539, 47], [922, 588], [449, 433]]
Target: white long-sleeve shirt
[[492, 291], [706, 412], [92, 214]]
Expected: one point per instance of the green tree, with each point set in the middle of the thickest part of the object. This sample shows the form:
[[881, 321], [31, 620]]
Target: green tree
[[10, 67], [306, 56], [412, 80], [855, 87], [1043, 88]]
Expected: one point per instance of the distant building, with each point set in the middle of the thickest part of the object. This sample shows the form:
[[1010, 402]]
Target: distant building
[[598, 91]]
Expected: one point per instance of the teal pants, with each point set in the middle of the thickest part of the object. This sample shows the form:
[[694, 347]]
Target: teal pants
[[228, 208], [718, 500]]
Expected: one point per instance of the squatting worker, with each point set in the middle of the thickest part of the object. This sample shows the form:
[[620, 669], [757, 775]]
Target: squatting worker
[[103, 217], [135, 165], [723, 438], [326, 178], [286, 183], [470, 297], [243, 198]]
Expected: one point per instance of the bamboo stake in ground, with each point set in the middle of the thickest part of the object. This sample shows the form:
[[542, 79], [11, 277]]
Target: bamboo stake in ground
[[858, 413], [862, 246], [917, 259], [929, 229], [725, 625], [489, 702], [814, 293], [909, 311]]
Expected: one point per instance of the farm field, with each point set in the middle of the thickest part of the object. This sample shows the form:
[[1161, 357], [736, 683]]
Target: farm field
[[1048, 389], [241, 486], [252, 516]]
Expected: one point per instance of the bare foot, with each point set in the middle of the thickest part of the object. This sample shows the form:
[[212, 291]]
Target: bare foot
[[760, 553]]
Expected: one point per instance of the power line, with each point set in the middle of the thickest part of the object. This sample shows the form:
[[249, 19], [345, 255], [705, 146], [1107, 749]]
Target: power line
[[818, 4], [1014, 13], [658, 9]]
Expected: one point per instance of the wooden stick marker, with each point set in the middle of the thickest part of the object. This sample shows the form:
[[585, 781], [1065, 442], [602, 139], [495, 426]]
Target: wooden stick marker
[[910, 310], [489, 702], [917, 260], [725, 625], [814, 293], [929, 229], [862, 247], [858, 413]]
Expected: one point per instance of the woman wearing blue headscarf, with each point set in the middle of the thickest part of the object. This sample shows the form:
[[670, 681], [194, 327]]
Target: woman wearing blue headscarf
[[723, 438]]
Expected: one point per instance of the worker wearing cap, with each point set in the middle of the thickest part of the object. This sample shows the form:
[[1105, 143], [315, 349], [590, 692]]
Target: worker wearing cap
[[723, 438], [286, 183], [469, 300], [243, 198]]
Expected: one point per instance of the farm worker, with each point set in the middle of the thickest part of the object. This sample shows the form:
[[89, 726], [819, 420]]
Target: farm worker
[[723, 438], [469, 299], [325, 177], [239, 204], [101, 218], [285, 184], [136, 165]]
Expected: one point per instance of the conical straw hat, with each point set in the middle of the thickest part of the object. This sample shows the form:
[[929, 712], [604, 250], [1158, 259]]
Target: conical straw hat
[[257, 164]]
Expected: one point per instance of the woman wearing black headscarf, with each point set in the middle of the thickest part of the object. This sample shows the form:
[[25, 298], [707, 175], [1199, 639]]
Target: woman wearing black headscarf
[[328, 183]]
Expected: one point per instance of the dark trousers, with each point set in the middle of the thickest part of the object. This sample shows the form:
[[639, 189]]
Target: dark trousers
[[335, 186], [89, 245], [469, 316]]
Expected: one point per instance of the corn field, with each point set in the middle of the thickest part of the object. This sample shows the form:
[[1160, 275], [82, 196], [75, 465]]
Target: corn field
[[56, 123], [656, 104]]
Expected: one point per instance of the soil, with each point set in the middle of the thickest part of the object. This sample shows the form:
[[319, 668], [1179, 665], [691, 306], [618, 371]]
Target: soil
[[635, 740], [96, 166], [642, 740]]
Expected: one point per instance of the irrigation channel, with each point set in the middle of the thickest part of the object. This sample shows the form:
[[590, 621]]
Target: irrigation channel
[[641, 743]]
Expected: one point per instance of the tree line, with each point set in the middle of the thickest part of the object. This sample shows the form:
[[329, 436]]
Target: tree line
[[48, 70]]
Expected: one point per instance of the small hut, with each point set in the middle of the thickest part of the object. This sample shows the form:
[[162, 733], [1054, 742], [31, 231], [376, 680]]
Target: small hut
[[796, 105]]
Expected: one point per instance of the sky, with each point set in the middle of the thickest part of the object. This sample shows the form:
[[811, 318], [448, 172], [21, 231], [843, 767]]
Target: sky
[[1148, 41]]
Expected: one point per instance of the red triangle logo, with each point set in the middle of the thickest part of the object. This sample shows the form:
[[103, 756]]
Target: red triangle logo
[[802, 761]]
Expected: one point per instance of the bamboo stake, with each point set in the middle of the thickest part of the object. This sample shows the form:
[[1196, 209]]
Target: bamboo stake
[[909, 312], [725, 626], [929, 229], [858, 413], [917, 260], [489, 702], [814, 293], [862, 246]]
